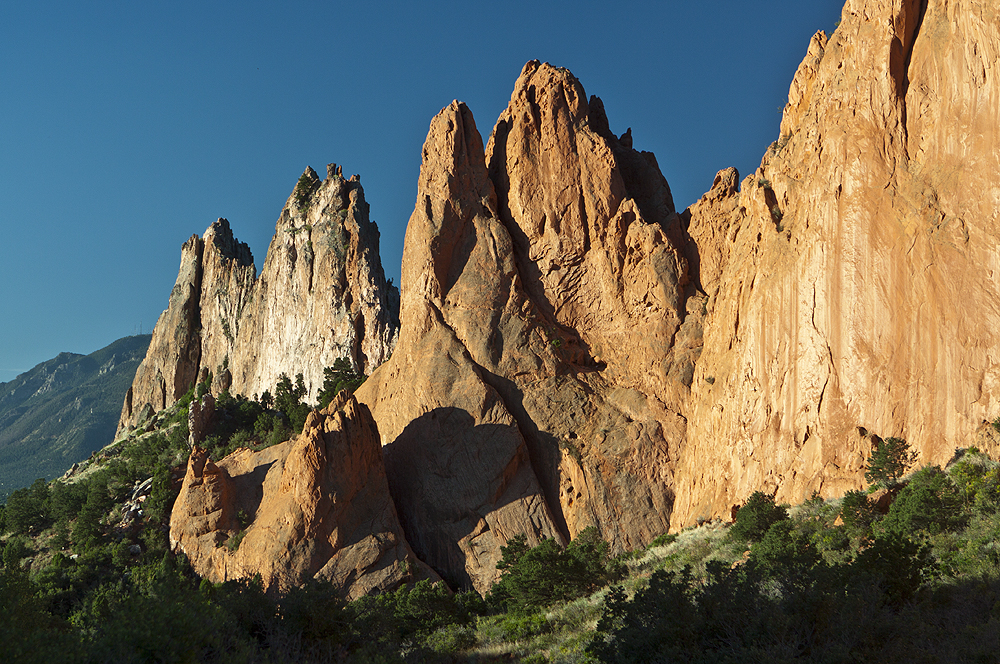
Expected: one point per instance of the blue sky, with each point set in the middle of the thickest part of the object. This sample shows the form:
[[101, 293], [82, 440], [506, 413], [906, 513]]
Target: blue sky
[[125, 127]]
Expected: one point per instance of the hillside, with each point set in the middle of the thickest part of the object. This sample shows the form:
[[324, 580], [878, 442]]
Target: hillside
[[62, 410], [906, 572]]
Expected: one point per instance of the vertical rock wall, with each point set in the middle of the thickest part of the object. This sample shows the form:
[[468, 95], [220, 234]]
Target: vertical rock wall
[[852, 278], [533, 388], [573, 352]]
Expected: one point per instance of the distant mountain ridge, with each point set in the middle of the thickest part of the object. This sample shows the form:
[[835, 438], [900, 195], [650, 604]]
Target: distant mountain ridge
[[63, 409]]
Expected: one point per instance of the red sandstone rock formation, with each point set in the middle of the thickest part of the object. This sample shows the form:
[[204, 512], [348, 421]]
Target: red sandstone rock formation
[[316, 506], [851, 279], [574, 353], [537, 381]]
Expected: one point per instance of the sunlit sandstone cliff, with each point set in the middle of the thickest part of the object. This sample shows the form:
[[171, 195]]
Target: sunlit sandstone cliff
[[852, 280], [314, 507], [541, 366], [321, 295], [573, 352]]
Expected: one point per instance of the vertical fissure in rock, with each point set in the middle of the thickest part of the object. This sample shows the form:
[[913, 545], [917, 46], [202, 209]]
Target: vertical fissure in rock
[[904, 83]]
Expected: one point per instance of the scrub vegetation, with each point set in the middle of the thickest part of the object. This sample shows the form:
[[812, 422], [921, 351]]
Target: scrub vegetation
[[85, 578]]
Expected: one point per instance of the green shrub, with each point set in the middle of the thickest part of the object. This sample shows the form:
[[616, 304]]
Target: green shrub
[[88, 529], [288, 399], [517, 627], [978, 481], [755, 518], [663, 540], [409, 616], [889, 461], [660, 623], [786, 553], [536, 577], [929, 504], [28, 508], [14, 551], [67, 500], [896, 563], [234, 424], [234, 542], [451, 639], [341, 376], [182, 405], [162, 495], [857, 512], [204, 387], [303, 191], [28, 633]]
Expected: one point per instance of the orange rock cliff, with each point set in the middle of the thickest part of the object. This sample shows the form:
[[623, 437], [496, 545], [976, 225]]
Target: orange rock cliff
[[569, 351]]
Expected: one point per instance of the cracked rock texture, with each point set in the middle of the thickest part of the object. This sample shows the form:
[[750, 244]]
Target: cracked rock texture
[[321, 295], [852, 280], [573, 352], [541, 366]]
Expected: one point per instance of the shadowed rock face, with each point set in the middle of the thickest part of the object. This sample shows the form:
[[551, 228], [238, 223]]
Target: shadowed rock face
[[457, 461], [317, 506], [851, 280], [172, 360], [321, 295]]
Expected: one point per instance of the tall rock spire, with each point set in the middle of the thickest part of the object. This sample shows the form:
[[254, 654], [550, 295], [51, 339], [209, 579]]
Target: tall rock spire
[[534, 389], [321, 295]]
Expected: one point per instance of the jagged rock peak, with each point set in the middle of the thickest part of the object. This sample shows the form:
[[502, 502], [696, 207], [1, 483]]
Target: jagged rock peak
[[321, 295], [597, 239], [221, 236], [496, 416]]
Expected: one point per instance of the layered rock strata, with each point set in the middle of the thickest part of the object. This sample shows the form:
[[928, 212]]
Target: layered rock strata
[[321, 295], [853, 277], [314, 507]]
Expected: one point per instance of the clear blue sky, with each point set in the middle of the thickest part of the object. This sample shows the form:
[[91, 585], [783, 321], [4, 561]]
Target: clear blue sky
[[125, 127]]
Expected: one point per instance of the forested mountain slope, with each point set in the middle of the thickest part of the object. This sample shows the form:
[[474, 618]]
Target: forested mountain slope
[[62, 410]]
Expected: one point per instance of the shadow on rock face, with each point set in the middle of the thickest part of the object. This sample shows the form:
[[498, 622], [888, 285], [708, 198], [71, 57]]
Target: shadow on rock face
[[462, 491]]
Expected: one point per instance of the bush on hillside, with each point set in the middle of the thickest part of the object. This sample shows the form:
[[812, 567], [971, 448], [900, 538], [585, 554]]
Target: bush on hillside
[[28, 508], [288, 399], [755, 518], [977, 479], [889, 461], [857, 512], [542, 575], [341, 376], [930, 503]]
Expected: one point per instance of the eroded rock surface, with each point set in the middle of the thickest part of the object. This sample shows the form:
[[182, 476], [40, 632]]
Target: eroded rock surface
[[172, 360], [321, 295], [852, 277], [573, 352], [314, 507], [533, 387]]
